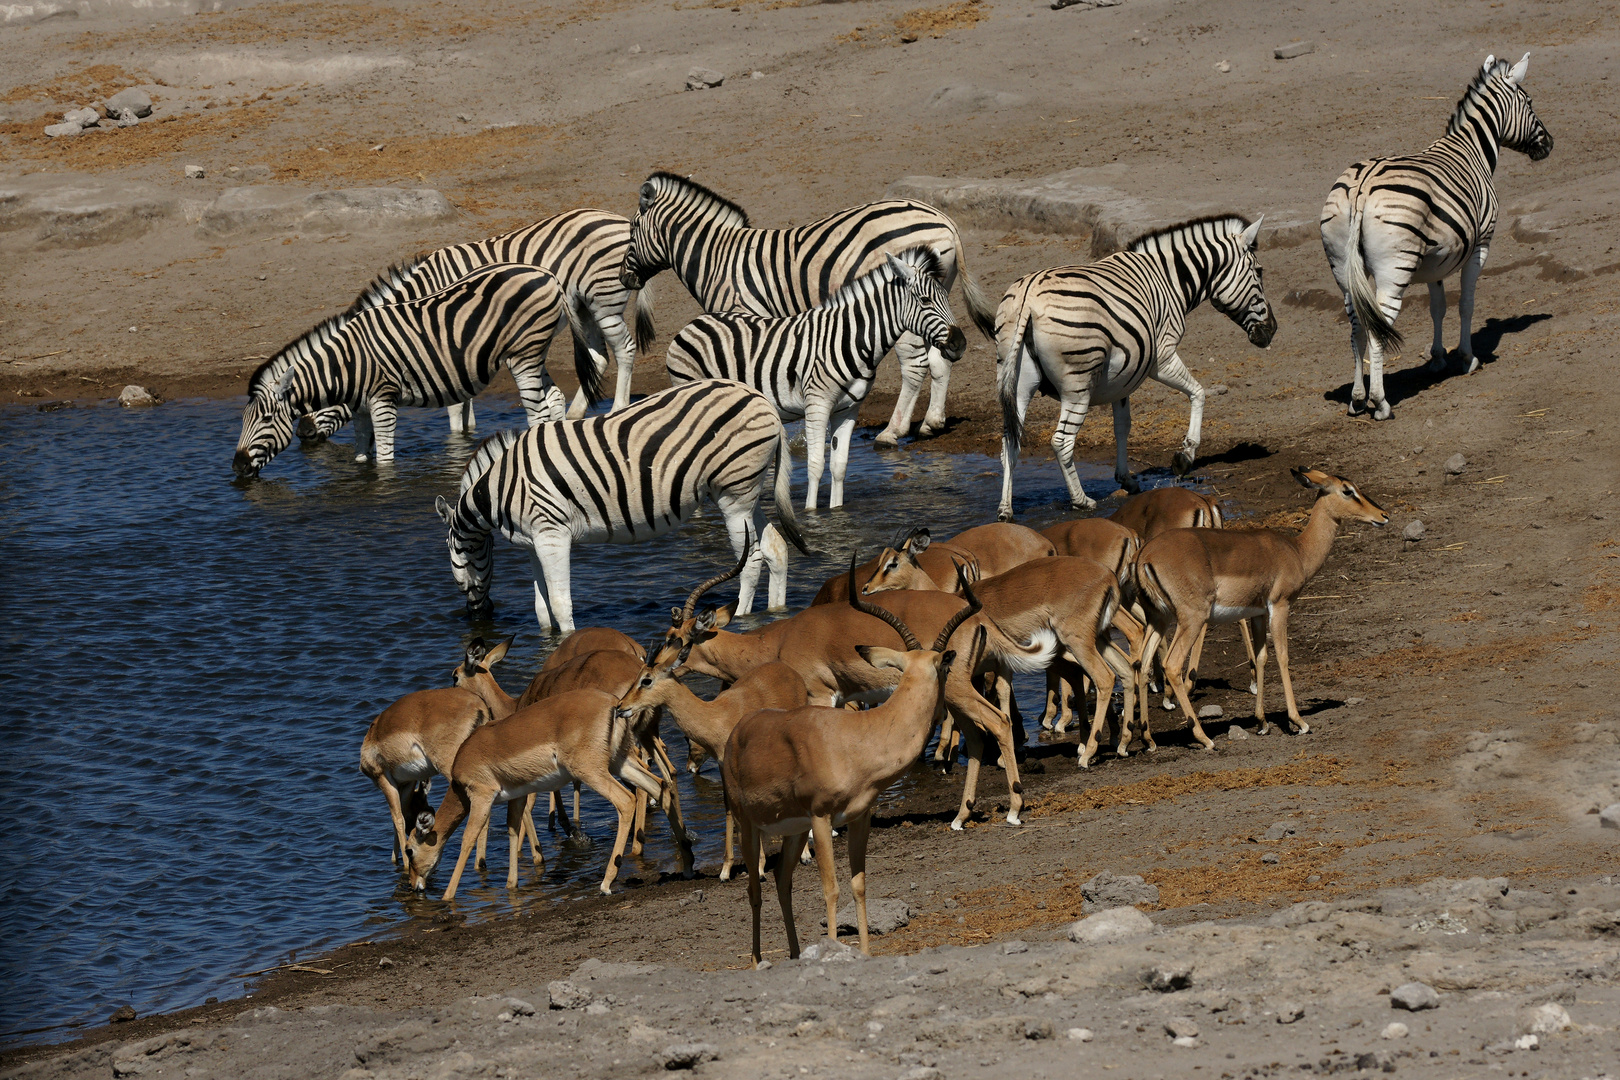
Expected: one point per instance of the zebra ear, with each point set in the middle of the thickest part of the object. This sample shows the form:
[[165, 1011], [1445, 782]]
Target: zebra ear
[[1490, 62], [648, 192], [901, 270], [443, 509], [1252, 234], [1516, 75]]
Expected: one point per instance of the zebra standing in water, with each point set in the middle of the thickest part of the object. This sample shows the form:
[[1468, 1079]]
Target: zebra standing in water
[[1389, 222], [819, 365], [623, 478], [442, 348], [1093, 333], [728, 266]]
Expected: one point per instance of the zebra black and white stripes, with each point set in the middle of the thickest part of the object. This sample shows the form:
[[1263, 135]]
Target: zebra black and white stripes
[[622, 478], [728, 266], [1390, 222], [434, 351], [819, 364], [1091, 334]]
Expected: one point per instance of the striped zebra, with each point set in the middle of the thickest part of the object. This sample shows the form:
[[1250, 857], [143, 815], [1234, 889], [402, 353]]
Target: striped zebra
[[1093, 333], [622, 478], [728, 266], [1389, 222], [433, 351], [818, 365]]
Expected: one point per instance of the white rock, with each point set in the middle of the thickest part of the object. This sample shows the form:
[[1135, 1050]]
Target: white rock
[[1223, 67], [1293, 49], [1184, 1040], [756, 75], [133, 99], [196, 172], [1236, 733], [703, 79], [1610, 817], [1080, 1035], [127, 118], [1526, 1042], [82, 117], [1115, 924], [1414, 997], [63, 131], [1395, 1030], [827, 951], [1210, 712], [133, 395], [635, 49], [1548, 1018], [1289, 1011]]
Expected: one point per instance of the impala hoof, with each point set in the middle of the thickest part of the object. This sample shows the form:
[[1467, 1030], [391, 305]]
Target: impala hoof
[[1012, 819], [956, 826]]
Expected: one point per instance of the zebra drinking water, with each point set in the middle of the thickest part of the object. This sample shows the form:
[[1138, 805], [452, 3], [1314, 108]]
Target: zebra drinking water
[[819, 364], [1389, 222], [622, 478], [728, 266], [1093, 333], [439, 349]]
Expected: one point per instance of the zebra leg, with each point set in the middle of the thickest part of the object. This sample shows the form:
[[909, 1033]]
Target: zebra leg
[[1358, 353], [364, 436], [1122, 436], [1465, 305], [462, 419], [939, 376], [843, 431], [913, 357], [815, 449], [622, 343], [553, 549], [542, 612], [1437, 312], [1174, 374], [1071, 415], [384, 414], [743, 523], [542, 400], [1029, 380]]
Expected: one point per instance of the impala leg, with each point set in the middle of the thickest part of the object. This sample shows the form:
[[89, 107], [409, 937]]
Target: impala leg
[[1248, 649], [752, 863], [668, 801], [1437, 312], [638, 831], [1080, 641], [945, 749], [843, 433], [535, 855], [1175, 667], [1260, 630], [973, 745], [1465, 306], [1029, 380], [396, 810], [821, 829], [982, 717], [477, 826], [1054, 696], [1174, 374], [624, 803], [1196, 658], [1279, 638], [515, 816], [481, 864], [786, 862], [1148, 655], [859, 829], [725, 867], [1071, 414]]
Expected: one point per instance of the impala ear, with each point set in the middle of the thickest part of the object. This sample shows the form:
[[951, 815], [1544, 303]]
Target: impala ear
[[722, 615], [715, 618], [498, 653], [919, 541], [946, 661], [1305, 477], [445, 511], [1517, 72], [424, 825], [1251, 235]]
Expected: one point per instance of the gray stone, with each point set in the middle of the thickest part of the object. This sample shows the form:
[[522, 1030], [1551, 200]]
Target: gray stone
[[519, 1007], [135, 395], [82, 117], [1168, 977], [1414, 531], [1609, 817], [687, 1055], [123, 1014], [1375, 1061], [1455, 464], [1039, 1029], [1289, 1011], [964, 98], [1218, 389], [1178, 1027], [922, 1072], [74, 210], [1080, 1035], [1107, 890], [1293, 49], [597, 1008], [135, 100], [1236, 733], [1008, 948], [1548, 1019], [196, 172], [127, 118], [882, 916], [563, 994], [703, 79], [63, 131], [828, 951], [274, 208], [1278, 831], [1414, 997], [1115, 924], [1210, 712], [1271, 857]]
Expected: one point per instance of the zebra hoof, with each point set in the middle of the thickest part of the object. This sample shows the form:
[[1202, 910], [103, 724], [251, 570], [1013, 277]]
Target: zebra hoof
[[1358, 406], [1383, 411], [1473, 363], [1004, 515], [1181, 464], [886, 441]]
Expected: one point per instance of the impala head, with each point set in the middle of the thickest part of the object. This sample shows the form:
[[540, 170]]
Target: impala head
[[1497, 96], [925, 307], [897, 567], [472, 558], [423, 846], [479, 658], [643, 695], [686, 628], [938, 656], [667, 203], [1348, 504]]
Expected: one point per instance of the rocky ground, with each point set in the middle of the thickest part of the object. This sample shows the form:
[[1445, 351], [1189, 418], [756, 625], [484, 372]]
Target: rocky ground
[[1460, 685]]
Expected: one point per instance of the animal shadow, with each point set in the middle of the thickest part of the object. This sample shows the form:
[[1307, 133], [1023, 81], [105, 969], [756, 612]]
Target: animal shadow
[[1412, 381]]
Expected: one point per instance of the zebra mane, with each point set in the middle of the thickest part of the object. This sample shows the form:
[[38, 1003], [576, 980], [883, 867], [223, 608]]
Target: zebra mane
[[1213, 227], [723, 205], [484, 456], [383, 288], [1479, 89], [921, 258]]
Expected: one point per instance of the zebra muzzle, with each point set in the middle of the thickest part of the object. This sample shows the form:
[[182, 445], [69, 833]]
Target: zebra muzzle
[[955, 345], [1260, 334], [243, 465], [628, 278]]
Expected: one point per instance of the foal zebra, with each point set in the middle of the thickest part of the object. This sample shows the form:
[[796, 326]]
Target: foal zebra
[[439, 349], [728, 266], [1092, 333], [819, 364], [621, 479], [1389, 222]]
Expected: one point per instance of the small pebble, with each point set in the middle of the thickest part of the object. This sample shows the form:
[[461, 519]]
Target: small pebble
[[1271, 857], [1396, 1030], [1080, 1035], [196, 172], [1223, 67]]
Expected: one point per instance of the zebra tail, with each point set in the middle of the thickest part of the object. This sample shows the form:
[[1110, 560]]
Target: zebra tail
[[784, 494], [1008, 358], [1363, 295], [979, 307], [645, 332], [584, 325]]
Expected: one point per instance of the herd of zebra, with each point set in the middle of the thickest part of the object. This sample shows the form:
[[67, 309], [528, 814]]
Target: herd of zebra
[[797, 321]]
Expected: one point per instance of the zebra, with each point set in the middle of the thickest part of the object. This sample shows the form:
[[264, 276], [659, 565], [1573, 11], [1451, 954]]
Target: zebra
[[622, 478], [728, 266], [1094, 333], [819, 364], [439, 349], [1389, 222]]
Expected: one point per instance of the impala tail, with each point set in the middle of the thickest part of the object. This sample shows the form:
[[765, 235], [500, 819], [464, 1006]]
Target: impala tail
[[1364, 294], [1037, 655]]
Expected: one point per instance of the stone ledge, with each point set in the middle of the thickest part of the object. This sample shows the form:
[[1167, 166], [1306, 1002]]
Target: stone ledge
[[75, 210], [272, 208]]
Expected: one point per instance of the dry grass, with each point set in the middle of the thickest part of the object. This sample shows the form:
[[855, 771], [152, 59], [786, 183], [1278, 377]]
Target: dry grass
[[1319, 771], [936, 21], [1244, 879], [83, 86], [413, 157], [1438, 660]]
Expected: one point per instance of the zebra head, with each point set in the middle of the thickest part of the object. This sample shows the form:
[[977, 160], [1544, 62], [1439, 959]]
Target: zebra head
[[673, 211], [1518, 127], [925, 308], [472, 559], [267, 423], [1236, 288]]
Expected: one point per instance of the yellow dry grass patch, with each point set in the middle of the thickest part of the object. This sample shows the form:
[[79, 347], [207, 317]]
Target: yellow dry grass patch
[[83, 86], [1318, 771], [937, 21]]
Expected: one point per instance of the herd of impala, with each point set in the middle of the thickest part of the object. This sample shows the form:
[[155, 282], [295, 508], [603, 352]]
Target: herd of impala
[[824, 710]]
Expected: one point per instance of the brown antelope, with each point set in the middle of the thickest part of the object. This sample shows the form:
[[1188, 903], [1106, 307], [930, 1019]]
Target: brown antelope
[[1189, 578], [1152, 512], [935, 560], [819, 643], [1102, 541], [551, 743], [589, 639], [791, 774], [416, 739], [905, 564], [708, 723]]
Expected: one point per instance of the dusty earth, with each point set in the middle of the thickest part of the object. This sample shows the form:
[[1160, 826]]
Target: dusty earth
[[1461, 689]]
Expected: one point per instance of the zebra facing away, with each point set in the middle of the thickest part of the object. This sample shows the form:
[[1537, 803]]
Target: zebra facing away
[[622, 478], [1092, 334], [819, 364], [1390, 222], [433, 351], [728, 266]]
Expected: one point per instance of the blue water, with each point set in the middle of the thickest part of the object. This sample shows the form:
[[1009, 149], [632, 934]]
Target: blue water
[[191, 663]]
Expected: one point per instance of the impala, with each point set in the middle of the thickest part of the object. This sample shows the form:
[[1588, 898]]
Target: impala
[[1190, 578], [791, 774], [1104, 542], [985, 551]]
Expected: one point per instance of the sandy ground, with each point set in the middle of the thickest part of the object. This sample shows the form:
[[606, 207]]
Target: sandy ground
[[1461, 690]]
